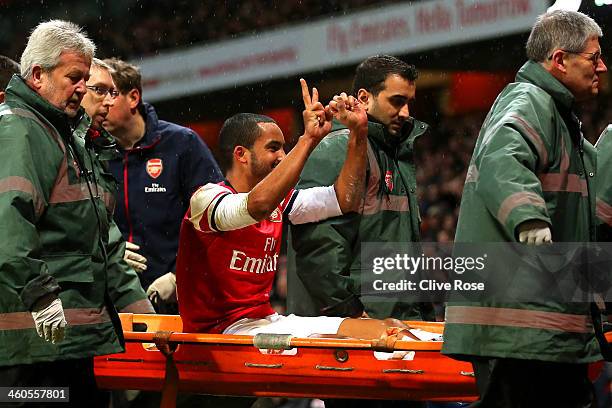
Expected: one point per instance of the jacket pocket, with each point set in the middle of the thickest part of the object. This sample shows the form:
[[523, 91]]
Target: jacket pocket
[[71, 268]]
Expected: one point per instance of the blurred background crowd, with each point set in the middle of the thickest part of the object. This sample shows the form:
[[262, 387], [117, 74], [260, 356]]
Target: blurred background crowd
[[134, 28]]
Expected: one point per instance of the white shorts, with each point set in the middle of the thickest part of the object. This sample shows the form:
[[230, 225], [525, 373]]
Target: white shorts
[[297, 326]]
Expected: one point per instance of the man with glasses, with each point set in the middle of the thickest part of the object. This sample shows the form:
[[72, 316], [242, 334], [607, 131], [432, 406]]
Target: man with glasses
[[162, 165], [594, 57], [124, 286], [531, 180], [101, 93]]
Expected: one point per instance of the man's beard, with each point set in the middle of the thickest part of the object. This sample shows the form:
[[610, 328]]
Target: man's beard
[[258, 170]]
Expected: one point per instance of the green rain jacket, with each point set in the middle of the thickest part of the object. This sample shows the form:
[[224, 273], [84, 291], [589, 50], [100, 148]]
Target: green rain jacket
[[124, 286], [604, 184], [530, 162], [326, 255], [604, 194], [54, 223]]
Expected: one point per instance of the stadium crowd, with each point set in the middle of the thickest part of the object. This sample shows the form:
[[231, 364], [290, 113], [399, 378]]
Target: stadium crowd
[[136, 28]]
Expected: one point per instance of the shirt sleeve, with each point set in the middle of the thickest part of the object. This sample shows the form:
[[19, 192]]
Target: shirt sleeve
[[215, 208], [313, 204]]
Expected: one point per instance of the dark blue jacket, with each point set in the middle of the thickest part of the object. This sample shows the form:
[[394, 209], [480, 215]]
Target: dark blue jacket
[[156, 180]]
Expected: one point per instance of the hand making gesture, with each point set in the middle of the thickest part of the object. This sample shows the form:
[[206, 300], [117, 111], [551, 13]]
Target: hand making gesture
[[350, 112], [317, 119]]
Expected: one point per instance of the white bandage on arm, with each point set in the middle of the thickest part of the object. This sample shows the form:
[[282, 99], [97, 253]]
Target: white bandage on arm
[[314, 204], [231, 212], [223, 210]]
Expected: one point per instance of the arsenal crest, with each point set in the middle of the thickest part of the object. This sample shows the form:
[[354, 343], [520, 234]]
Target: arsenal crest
[[389, 180], [155, 167], [276, 216]]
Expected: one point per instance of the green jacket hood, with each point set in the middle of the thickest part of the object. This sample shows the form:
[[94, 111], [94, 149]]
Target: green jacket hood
[[534, 73], [396, 149], [390, 149], [401, 146]]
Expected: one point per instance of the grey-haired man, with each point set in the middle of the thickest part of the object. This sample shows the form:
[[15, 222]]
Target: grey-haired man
[[55, 212]]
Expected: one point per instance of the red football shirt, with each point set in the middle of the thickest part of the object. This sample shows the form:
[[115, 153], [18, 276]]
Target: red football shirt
[[224, 276]]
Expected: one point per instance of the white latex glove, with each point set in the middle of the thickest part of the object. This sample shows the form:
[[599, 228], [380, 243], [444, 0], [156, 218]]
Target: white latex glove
[[164, 287], [50, 321], [534, 232], [134, 259]]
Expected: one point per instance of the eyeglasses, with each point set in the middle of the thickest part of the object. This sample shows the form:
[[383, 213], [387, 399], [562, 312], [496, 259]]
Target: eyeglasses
[[103, 91], [595, 57]]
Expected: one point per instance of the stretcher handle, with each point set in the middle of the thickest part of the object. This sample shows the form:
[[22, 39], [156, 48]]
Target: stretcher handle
[[239, 340], [175, 324]]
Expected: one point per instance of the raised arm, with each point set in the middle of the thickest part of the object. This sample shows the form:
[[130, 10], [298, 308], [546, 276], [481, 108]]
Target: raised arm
[[344, 196], [267, 194], [350, 184], [224, 212]]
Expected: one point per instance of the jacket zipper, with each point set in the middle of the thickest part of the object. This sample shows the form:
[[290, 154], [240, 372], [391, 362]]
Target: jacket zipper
[[586, 180], [126, 200]]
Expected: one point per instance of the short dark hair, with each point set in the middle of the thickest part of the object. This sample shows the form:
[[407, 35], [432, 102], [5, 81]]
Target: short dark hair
[[372, 73], [241, 129], [125, 76], [8, 67]]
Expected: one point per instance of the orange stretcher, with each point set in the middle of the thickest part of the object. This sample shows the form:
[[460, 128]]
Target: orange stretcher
[[162, 358], [258, 366]]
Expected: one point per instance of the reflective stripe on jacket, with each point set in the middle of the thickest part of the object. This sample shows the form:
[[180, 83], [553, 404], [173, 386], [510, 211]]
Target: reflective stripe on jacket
[[54, 217], [530, 162]]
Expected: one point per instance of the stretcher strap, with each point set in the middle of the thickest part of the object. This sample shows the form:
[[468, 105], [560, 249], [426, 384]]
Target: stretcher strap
[[387, 341], [170, 388], [271, 341]]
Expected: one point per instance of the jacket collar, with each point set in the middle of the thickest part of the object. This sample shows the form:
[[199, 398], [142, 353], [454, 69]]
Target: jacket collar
[[83, 126], [102, 142], [19, 92], [152, 134], [399, 145], [534, 73], [396, 145]]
